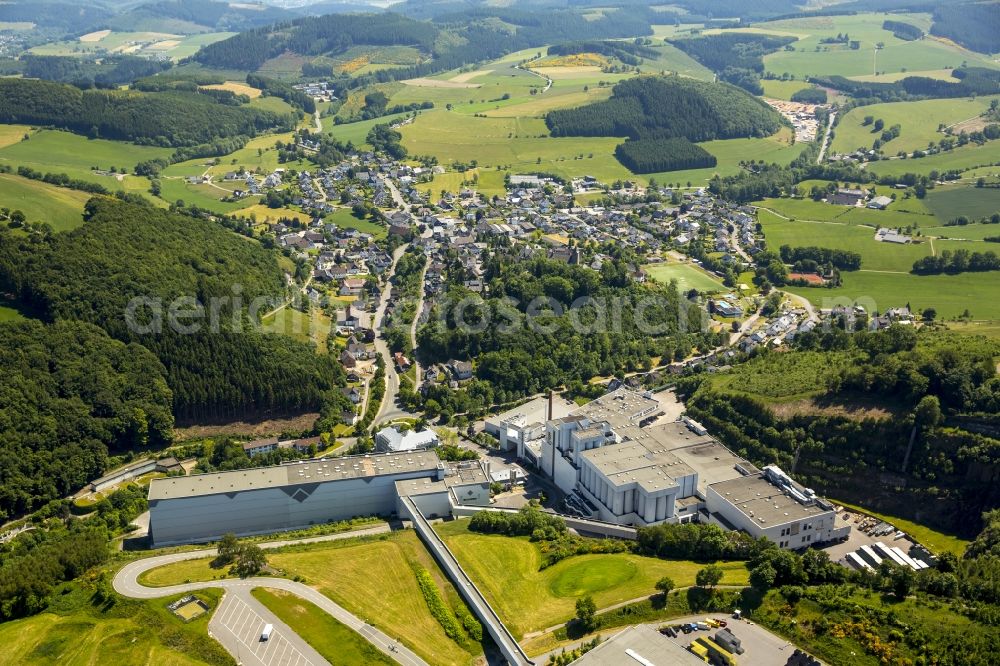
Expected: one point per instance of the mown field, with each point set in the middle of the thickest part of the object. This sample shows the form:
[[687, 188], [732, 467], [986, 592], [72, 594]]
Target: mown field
[[918, 120], [960, 159], [339, 644], [58, 207], [506, 569], [687, 276], [950, 202], [343, 570]]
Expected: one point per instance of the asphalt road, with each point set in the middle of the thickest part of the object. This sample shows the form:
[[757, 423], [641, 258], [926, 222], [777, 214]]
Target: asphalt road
[[238, 621]]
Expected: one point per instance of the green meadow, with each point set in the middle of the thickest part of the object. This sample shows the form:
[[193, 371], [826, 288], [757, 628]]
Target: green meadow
[[58, 207], [949, 202], [960, 159], [918, 121]]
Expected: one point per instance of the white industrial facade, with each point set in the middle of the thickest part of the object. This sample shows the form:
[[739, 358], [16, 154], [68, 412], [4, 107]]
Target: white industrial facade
[[769, 504], [204, 507]]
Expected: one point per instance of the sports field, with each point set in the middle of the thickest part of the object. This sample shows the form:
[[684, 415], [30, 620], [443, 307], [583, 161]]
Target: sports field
[[58, 207], [507, 570], [918, 120], [688, 276], [330, 638]]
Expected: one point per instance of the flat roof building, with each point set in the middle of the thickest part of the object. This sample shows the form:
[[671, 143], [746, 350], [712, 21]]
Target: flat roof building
[[203, 507], [390, 440]]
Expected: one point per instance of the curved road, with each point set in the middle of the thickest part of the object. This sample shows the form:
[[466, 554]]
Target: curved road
[[237, 623]]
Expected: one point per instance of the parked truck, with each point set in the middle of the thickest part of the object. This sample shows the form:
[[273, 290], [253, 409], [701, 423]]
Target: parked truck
[[266, 634]]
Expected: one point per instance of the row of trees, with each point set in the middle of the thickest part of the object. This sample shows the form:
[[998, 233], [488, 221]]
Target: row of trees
[[957, 261], [845, 260]]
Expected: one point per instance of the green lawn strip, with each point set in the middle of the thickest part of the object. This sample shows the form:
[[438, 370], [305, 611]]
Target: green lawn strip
[[937, 542], [333, 640]]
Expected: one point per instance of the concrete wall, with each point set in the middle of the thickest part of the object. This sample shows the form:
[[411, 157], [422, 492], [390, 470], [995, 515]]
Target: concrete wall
[[259, 511], [126, 473], [565, 474]]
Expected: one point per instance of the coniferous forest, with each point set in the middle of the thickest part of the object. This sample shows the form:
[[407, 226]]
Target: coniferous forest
[[127, 250]]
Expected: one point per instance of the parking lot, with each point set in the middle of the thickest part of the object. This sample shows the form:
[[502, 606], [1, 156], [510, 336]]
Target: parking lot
[[858, 538], [244, 626], [762, 648]]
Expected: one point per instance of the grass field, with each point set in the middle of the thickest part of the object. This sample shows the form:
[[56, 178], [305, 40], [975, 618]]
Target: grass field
[[875, 255], [966, 157], [918, 121], [345, 572], [344, 218], [949, 202], [950, 295], [777, 89], [937, 542], [811, 58], [527, 599], [11, 134], [8, 311], [688, 277], [139, 633], [62, 152], [59, 207], [330, 638], [132, 43]]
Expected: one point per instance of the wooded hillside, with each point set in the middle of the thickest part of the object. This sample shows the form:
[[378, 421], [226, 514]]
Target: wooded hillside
[[68, 394], [127, 250], [163, 119]]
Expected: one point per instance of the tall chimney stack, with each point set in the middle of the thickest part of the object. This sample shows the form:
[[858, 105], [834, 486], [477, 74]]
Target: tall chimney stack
[[552, 394]]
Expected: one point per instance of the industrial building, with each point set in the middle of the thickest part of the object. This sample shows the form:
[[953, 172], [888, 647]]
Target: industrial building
[[617, 462], [391, 440], [203, 507], [770, 504]]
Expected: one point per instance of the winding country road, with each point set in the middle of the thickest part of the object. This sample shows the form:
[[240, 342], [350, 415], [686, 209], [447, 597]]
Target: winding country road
[[239, 619]]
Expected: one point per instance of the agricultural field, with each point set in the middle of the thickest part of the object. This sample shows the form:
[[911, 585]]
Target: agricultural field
[[235, 87], [811, 58], [875, 255], [528, 598], [11, 134], [60, 208], [688, 276], [78, 633], [777, 89], [966, 157], [173, 189], [919, 122], [392, 600], [62, 152], [950, 295], [330, 638], [949, 202], [175, 46]]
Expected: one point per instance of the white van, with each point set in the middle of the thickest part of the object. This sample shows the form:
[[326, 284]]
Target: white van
[[266, 634]]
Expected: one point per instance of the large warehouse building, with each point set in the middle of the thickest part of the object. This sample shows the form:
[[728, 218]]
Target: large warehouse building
[[203, 507]]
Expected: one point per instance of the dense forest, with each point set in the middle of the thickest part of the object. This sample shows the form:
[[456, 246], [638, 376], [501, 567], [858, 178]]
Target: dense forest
[[630, 53], [316, 36], [163, 119], [70, 394], [214, 16], [218, 366], [653, 155], [974, 81], [661, 116], [657, 107], [902, 30], [974, 25], [921, 391], [737, 58], [107, 72]]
